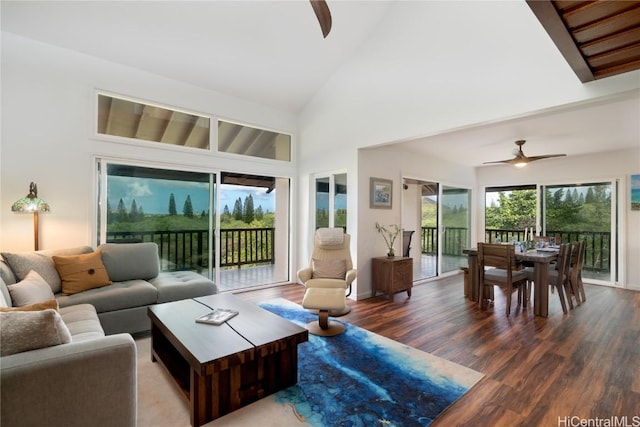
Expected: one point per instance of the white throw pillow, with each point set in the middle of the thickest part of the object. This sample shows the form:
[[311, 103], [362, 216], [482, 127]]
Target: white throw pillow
[[30, 290]]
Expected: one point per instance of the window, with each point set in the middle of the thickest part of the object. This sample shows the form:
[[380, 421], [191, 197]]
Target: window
[[331, 201], [573, 212], [248, 141], [169, 207], [508, 211], [130, 119]]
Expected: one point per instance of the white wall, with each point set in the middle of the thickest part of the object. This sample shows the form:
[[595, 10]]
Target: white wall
[[589, 168], [48, 114]]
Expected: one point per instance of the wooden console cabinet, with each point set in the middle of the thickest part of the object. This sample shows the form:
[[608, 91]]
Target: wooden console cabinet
[[392, 275]]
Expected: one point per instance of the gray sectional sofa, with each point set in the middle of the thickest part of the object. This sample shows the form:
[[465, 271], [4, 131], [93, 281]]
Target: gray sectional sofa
[[90, 381], [137, 282], [74, 362]]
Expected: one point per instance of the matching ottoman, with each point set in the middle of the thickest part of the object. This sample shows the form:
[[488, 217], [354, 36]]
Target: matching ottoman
[[323, 300]]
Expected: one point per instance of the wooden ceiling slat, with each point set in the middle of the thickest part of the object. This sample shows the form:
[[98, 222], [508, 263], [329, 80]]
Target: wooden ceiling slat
[[615, 58], [616, 41], [612, 71], [591, 12], [606, 27]]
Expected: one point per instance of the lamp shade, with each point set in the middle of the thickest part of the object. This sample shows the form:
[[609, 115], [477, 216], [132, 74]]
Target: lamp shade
[[31, 203]]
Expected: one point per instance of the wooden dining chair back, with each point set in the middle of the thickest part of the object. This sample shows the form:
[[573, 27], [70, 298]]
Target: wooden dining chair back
[[505, 271], [406, 242], [538, 239], [575, 271], [559, 277]]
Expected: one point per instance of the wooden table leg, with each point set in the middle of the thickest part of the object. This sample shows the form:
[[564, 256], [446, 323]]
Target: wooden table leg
[[474, 290], [541, 285], [197, 400]]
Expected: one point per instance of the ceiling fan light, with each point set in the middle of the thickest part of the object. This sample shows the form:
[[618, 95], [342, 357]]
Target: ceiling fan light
[[521, 164]]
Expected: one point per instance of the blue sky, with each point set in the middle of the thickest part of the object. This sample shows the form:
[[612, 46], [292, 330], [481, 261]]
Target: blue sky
[[153, 194]]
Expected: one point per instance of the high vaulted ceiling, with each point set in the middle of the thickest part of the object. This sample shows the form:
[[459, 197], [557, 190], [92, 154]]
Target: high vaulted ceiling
[[268, 52], [272, 53]]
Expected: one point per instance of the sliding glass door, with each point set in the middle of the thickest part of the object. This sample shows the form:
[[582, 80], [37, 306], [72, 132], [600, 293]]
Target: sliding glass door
[[254, 230], [169, 207], [230, 227], [568, 212], [456, 222], [440, 216], [573, 212]]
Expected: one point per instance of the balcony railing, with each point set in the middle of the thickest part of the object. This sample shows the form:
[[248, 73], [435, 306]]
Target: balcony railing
[[597, 255], [188, 249]]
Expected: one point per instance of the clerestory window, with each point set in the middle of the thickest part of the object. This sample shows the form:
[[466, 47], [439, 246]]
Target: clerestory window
[[131, 119]]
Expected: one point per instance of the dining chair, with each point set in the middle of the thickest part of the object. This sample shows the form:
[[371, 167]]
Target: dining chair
[[575, 271], [406, 242], [538, 239], [497, 266], [558, 276]]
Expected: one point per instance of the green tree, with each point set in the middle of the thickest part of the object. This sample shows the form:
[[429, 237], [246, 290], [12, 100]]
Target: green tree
[[172, 205], [133, 212], [110, 217], [187, 209], [562, 214], [237, 210], [247, 211], [121, 211], [226, 214], [515, 211], [259, 213]]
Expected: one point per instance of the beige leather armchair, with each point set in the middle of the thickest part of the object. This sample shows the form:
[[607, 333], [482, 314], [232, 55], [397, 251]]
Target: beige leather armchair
[[331, 265]]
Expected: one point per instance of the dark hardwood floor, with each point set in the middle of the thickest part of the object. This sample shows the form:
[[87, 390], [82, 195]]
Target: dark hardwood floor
[[538, 372]]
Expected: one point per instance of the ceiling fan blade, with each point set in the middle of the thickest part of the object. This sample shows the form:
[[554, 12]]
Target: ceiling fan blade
[[546, 156], [323, 14], [500, 161]]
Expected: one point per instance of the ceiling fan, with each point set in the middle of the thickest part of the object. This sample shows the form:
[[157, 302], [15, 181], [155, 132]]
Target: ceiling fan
[[520, 160], [323, 14]]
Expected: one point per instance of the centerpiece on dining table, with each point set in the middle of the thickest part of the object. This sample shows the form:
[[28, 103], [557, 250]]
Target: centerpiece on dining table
[[389, 234]]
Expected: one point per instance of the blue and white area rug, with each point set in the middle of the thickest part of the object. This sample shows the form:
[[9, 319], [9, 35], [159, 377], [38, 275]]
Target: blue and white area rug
[[357, 378]]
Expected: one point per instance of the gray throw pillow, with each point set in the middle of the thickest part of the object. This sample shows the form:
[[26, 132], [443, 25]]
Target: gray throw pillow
[[130, 261], [31, 290], [40, 261], [29, 330]]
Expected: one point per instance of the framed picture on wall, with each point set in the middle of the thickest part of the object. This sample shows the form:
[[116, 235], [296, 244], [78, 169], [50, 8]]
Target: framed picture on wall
[[381, 193]]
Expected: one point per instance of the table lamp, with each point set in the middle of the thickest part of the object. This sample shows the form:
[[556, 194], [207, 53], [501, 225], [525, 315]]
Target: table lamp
[[32, 204]]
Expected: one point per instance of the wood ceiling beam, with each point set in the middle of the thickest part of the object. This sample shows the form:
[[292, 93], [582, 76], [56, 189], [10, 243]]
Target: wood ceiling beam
[[555, 27]]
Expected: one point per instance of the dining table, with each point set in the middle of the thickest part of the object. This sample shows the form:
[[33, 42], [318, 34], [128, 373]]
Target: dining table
[[540, 258]]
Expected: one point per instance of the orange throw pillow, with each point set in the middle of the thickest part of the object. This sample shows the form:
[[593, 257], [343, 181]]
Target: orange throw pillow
[[51, 304], [81, 272]]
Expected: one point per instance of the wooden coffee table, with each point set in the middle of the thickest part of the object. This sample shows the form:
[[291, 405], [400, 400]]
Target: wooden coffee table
[[222, 368]]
